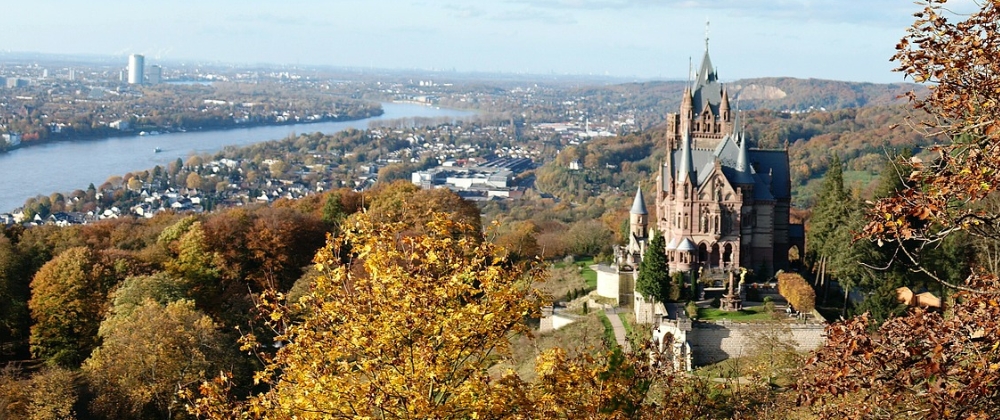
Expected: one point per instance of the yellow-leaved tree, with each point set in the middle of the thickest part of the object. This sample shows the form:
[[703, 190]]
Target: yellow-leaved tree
[[415, 321], [399, 324]]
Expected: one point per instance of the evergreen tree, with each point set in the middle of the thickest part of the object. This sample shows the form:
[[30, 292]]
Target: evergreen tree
[[829, 239], [333, 210], [949, 259], [654, 277]]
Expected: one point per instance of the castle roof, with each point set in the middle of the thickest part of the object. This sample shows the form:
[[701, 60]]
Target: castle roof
[[686, 245], [766, 170], [707, 91], [639, 204]]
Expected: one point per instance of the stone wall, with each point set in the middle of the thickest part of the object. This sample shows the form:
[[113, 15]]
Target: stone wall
[[615, 284], [713, 342]]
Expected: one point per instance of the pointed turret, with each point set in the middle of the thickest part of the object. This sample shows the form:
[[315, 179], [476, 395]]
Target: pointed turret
[[687, 105], [743, 170], [706, 73], [639, 204], [686, 169], [638, 225], [743, 160], [724, 104]]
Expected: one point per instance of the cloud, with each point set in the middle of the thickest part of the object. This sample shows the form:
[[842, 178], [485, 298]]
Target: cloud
[[526, 15], [545, 15], [464, 11], [872, 12], [270, 19]]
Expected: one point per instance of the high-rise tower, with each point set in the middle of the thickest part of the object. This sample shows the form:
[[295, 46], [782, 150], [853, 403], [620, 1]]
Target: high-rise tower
[[136, 62]]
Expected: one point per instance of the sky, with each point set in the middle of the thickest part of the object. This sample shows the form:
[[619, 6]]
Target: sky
[[849, 40]]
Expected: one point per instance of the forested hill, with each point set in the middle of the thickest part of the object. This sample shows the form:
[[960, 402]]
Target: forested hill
[[787, 93], [861, 137], [776, 93]]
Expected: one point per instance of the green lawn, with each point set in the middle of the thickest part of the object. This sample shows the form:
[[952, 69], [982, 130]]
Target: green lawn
[[589, 275], [609, 331], [624, 316], [755, 313]]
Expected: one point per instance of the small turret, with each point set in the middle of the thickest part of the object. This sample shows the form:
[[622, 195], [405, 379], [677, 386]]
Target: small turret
[[638, 224], [686, 169], [687, 104], [744, 175], [724, 105]]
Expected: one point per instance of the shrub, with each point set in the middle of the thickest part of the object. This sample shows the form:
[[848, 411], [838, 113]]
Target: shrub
[[797, 291], [692, 310]]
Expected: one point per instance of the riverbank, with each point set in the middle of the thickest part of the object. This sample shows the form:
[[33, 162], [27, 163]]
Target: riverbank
[[147, 131], [68, 165]]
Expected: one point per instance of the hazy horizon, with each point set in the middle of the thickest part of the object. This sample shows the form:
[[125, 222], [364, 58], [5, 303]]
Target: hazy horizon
[[644, 39]]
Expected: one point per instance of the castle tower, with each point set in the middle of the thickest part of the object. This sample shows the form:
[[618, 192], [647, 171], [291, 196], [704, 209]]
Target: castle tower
[[705, 114], [638, 228]]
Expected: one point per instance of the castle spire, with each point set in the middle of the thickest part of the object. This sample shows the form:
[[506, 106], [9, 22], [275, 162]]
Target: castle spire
[[686, 169], [743, 161], [724, 104], [639, 204]]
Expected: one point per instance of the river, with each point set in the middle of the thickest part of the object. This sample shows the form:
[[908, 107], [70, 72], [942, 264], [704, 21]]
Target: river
[[69, 165]]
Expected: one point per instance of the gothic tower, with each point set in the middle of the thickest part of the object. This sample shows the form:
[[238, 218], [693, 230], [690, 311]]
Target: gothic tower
[[638, 229]]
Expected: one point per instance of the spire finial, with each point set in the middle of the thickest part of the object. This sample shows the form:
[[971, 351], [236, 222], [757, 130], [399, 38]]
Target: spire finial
[[690, 69], [707, 23]]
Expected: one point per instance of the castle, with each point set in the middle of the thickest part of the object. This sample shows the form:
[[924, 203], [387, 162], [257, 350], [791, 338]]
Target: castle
[[720, 204]]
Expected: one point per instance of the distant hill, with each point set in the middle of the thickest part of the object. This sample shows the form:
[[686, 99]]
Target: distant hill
[[786, 93], [653, 100]]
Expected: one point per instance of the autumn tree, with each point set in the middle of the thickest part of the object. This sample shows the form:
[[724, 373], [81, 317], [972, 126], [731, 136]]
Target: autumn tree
[[193, 181], [67, 304], [419, 318], [48, 394], [519, 240], [402, 201], [149, 353], [928, 364], [958, 58]]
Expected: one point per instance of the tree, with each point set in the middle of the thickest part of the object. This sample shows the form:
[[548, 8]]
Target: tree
[[406, 322], [419, 318], [68, 296], [49, 394], [519, 240], [654, 275], [928, 364], [194, 263], [333, 210], [193, 181], [149, 353], [14, 293], [135, 184], [831, 249], [959, 57], [921, 365]]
